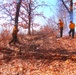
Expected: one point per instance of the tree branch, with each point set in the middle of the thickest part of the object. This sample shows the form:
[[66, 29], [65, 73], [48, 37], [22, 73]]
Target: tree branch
[[65, 5]]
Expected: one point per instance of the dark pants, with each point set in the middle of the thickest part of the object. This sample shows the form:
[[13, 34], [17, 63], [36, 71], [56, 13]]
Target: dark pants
[[61, 31], [71, 32], [14, 39]]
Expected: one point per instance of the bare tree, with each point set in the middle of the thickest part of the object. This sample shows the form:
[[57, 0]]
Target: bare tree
[[24, 13], [70, 8], [30, 11]]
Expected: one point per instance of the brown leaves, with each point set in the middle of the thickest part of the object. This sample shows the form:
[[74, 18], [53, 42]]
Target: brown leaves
[[51, 56]]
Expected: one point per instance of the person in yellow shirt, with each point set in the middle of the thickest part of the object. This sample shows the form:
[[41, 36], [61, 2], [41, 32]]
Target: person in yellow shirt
[[14, 35], [72, 29], [61, 25]]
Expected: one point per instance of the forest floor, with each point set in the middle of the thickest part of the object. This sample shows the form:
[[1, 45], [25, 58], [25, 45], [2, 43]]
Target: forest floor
[[38, 55]]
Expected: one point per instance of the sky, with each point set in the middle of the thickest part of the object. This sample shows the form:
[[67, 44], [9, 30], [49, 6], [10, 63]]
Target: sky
[[47, 12]]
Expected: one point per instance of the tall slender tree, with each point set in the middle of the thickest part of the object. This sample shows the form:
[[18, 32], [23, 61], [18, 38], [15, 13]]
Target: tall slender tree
[[29, 15], [30, 11]]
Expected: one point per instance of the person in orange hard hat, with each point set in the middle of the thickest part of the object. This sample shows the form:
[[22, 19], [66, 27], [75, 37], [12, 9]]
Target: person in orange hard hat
[[72, 29], [61, 25]]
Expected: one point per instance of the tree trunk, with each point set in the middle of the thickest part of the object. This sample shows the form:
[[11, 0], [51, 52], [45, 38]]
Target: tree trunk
[[29, 18], [17, 12], [70, 11]]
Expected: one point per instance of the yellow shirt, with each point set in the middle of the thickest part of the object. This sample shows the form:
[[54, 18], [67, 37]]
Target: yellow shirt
[[15, 30], [72, 26], [61, 24]]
